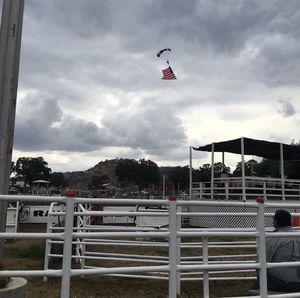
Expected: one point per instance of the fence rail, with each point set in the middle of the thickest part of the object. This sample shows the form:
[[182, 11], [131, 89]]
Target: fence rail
[[235, 188], [174, 266]]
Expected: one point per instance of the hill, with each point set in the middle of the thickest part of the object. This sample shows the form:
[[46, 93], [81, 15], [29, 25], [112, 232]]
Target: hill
[[104, 170], [101, 173]]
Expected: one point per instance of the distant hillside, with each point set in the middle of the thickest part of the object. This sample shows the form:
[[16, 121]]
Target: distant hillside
[[82, 179], [107, 169]]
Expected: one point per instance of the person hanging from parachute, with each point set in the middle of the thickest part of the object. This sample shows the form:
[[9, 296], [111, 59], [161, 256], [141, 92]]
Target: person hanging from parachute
[[168, 73]]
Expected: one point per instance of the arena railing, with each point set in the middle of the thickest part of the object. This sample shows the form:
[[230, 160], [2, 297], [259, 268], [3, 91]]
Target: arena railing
[[174, 233], [231, 188]]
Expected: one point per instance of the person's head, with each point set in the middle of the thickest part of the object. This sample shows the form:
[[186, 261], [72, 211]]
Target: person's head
[[282, 218]]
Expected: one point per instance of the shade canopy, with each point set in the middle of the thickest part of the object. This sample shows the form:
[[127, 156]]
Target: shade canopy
[[265, 149], [41, 181]]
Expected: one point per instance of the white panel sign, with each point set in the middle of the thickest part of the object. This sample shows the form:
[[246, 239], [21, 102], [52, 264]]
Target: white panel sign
[[37, 214], [153, 221], [118, 219]]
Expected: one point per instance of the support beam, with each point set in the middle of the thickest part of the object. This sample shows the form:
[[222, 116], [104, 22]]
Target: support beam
[[282, 172], [191, 174], [212, 170], [223, 161], [243, 169], [10, 46]]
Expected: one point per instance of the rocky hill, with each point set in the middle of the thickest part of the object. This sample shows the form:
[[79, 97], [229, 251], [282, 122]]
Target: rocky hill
[[105, 168], [82, 179], [104, 171]]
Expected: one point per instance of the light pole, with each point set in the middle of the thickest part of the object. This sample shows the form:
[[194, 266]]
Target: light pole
[[10, 47]]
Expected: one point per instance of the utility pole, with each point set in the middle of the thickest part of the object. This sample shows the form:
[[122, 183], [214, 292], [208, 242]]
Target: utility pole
[[10, 47]]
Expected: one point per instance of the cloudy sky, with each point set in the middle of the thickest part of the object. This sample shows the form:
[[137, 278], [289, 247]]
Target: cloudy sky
[[90, 83]]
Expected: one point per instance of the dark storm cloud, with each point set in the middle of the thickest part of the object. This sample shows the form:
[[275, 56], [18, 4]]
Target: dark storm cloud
[[106, 38], [85, 19], [43, 126]]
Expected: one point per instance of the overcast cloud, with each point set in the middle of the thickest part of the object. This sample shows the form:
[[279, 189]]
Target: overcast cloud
[[90, 83], [287, 109]]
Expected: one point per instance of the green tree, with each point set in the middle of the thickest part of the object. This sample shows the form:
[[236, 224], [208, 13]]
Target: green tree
[[126, 171], [57, 179], [292, 167], [143, 173], [219, 168], [30, 169], [12, 167], [268, 167], [180, 177], [98, 181], [250, 167], [204, 173], [147, 174]]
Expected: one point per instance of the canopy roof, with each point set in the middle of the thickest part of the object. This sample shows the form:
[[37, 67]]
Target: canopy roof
[[41, 181], [265, 149]]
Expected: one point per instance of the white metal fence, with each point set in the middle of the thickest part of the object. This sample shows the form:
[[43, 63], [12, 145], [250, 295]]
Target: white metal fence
[[175, 267], [237, 188]]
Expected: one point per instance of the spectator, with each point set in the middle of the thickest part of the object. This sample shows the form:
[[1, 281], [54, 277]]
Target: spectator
[[283, 249], [224, 178]]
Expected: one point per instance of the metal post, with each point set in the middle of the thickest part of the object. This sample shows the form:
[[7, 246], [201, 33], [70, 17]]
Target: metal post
[[10, 47], [226, 190], [191, 174], [265, 190], [262, 249], [243, 169], [282, 172], [201, 190], [212, 170], [47, 246], [178, 254], [164, 186], [173, 278], [67, 252], [205, 262], [223, 161], [83, 246]]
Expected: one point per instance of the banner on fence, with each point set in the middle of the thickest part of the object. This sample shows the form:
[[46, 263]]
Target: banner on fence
[[37, 214]]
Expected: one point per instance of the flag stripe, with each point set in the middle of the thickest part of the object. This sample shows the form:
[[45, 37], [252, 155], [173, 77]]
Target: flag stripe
[[168, 74]]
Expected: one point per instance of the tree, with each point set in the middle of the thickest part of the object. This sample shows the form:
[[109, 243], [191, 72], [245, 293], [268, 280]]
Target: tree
[[30, 169], [204, 173], [12, 167], [147, 174], [97, 181], [180, 177], [268, 167], [142, 173], [219, 168], [292, 167], [250, 167], [125, 171], [57, 179]]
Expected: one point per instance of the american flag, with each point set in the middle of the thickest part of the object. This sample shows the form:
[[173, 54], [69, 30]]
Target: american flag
[[168, 74]]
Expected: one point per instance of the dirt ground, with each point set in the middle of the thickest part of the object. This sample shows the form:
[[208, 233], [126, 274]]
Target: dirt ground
[[29, 254]]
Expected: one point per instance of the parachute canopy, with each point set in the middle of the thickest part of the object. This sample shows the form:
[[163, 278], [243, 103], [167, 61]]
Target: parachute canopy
[[162, 51]]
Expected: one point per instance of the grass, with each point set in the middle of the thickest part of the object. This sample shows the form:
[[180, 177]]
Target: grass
[[27, 249], [29, 255]]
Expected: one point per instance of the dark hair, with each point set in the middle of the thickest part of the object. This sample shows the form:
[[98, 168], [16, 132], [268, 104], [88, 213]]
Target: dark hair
[[283, 218]]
